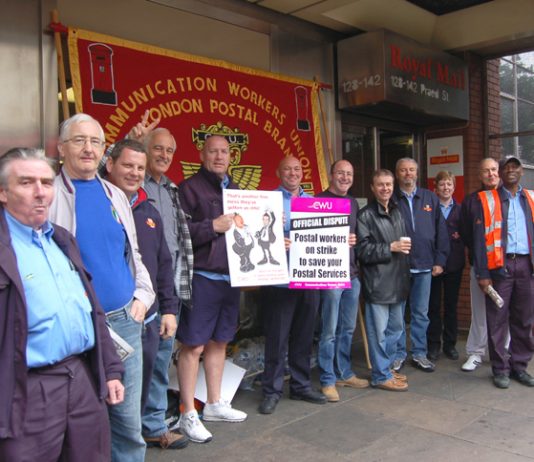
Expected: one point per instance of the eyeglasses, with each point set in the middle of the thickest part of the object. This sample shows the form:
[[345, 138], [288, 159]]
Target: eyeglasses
[[344, 173], [80, 141]]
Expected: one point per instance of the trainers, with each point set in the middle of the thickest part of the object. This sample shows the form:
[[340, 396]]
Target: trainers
[[191, 426], [392, 385], [332, 396], [222, 412], [169, 440], [473, 361], [398, 376], [353, 382], [423, 363], [398, 364]]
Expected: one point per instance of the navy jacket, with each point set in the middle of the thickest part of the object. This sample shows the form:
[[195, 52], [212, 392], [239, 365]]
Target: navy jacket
[[470, 213], [104, 362], [430, 241], [479, 240], [456, 260], [155, 254], [201, 199]]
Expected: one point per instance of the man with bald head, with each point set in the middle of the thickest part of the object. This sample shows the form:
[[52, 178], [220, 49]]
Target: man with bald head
[[339, 307], [289, 317], [211, 322]]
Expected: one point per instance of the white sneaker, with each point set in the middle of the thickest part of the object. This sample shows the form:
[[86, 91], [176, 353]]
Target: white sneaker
[[222, 412], [191, 426], [473, 361]]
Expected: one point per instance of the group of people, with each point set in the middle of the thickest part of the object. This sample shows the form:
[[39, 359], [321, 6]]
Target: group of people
[[110, 246]]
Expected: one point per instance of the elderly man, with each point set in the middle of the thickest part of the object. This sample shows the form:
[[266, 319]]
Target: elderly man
[[212, 321], [58, 360], [163, 193], [383, 256], [125, 168], [289, 318], [488, 172], [100, 217], [339, 307], [426, 227], [504, 256]]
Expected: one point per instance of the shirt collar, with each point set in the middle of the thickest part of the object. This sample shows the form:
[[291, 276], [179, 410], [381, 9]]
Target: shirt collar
[[409, 195], [27, 233], [286, 193]]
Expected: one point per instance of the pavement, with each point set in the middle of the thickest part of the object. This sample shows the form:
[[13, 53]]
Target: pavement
[[448, 415]]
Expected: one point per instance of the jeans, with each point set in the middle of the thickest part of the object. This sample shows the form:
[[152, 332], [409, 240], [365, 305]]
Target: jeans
[[384, 327], [127, 444], [155, 406], [419, 296], [339, 308]]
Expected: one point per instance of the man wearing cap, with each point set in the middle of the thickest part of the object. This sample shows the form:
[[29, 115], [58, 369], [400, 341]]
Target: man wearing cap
[[504, 258]]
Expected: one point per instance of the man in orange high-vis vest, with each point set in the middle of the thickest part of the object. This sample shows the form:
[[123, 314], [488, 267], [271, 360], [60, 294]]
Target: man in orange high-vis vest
[[503, 257]]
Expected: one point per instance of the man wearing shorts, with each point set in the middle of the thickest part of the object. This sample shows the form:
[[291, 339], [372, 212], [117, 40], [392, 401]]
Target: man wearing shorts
[[211, 322]]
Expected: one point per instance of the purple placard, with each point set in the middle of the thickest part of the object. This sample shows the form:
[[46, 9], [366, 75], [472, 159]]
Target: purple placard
[[321, 205], [320, 285]]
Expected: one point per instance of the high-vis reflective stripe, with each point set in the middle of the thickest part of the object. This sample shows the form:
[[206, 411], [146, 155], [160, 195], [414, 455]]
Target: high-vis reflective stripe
[[491, 206]]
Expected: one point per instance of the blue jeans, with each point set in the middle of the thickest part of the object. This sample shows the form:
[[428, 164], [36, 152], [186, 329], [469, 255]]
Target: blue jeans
[[153, 417], [384, 327], [339, 308], [419, 297], [127, 444]]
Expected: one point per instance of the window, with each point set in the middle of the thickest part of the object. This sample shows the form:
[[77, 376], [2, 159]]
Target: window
[[511, 116]]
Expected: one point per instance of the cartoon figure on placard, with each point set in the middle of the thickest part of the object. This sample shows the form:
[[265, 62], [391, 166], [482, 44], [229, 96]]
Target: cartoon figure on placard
[[266, 237], [244, 242]]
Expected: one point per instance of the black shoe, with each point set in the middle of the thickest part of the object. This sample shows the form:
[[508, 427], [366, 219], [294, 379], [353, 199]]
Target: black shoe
[[501, 381], [262, 262], [523, 377], [272, 261], [433, 354], [423, 364], [451, 353], [311, 396], [268, 405]]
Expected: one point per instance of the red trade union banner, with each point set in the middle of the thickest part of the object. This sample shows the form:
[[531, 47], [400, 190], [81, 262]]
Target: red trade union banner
[[264, 116]]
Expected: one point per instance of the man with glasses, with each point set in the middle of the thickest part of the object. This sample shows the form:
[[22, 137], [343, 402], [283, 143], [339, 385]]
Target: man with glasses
[[99, 215], [339, 307]]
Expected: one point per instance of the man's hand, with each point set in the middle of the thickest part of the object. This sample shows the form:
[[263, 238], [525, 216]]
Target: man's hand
[[141, 130], [352, 239], [115, 392], [437, 270], [168, 325], [403, 246], [223, 223], [483, 284], [138, 310]]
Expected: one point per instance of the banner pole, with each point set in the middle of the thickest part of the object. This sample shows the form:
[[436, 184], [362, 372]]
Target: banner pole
[[323, 118], [60, 66]]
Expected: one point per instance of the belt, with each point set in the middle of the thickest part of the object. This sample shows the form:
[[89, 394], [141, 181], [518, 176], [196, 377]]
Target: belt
[[62, 363], [513, 256]]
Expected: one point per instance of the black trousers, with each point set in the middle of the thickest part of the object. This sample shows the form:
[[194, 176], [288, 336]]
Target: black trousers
[[444, 287], [288, 320]]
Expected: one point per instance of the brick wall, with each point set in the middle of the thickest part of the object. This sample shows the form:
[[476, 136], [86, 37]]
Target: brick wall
[[484, 117]]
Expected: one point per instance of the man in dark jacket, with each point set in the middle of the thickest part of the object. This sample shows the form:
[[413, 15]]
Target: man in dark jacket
[[383, 256], [446, 286], [503, 244], [212, 321], [57, 358], [426, 227], [125, 166]]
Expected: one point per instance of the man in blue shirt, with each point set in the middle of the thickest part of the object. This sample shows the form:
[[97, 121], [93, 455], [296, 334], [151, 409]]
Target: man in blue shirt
[[99, 215], [427, 230], [511, 277], [58, 360]]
